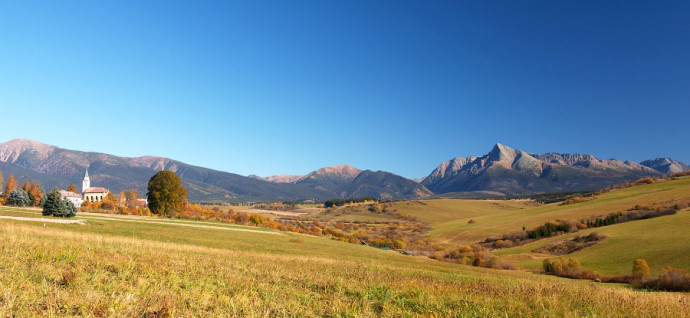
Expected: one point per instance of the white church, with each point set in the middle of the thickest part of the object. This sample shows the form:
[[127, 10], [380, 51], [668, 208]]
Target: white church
[[92, 194], [95, 194]]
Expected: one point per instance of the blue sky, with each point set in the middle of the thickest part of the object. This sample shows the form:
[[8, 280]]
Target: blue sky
[[269, 87]]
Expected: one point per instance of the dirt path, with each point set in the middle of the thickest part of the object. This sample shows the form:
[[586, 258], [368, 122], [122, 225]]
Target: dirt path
[[203, 226], [19, 218]]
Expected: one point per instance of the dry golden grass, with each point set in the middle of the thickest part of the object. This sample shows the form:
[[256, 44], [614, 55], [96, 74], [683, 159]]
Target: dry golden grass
[[106, 268]]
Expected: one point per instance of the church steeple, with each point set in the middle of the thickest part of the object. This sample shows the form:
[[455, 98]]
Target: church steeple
[[86, 183]]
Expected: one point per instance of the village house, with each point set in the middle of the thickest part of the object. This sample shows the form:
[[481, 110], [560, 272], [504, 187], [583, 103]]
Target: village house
[[75, 198]]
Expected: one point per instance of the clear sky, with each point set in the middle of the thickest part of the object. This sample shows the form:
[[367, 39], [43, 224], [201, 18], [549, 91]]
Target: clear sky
[[287, 87]]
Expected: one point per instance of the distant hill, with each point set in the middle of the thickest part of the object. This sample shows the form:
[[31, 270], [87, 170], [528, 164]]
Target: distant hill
[[509, 171], [346, 181], [52, 166]]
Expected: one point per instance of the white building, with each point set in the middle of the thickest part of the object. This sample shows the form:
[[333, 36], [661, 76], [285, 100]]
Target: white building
[[75, 198]]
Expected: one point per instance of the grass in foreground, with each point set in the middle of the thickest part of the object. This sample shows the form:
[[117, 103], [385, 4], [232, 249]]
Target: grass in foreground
[[115, 268]]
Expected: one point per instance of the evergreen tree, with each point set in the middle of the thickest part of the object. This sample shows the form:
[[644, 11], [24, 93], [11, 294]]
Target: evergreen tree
[[18, 198], [53, 203], [67, 209]]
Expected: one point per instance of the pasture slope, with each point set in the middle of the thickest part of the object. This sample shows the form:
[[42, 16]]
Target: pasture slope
[[114, 266], [449, 218]]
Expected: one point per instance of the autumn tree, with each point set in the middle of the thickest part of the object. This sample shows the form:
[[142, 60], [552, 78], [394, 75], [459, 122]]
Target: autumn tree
[[11, 185], [166, 193], [36, 193], [131, 198], [27, 186], [109, 202], [72, 188], [640, 268]]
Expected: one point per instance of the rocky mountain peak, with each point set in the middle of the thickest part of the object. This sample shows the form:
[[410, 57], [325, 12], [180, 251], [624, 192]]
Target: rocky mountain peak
[[281, 178], [12, 150], [503, 153], [345, 171], [666, 165]]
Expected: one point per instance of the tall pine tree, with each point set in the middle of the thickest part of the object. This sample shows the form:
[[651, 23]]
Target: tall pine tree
[[53, 203]]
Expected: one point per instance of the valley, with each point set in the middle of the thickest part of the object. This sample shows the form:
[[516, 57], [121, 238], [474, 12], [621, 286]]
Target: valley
[[404, 251]]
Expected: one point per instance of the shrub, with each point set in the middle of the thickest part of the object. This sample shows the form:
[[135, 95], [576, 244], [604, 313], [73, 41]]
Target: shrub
[[576, 200], [548, 229], [376, 208], [574, 265], [670, 280], [547, 266], [644, 181], [503, 244]]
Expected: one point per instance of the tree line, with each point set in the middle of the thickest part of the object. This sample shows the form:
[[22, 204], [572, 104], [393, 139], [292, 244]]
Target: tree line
[[340, 202]]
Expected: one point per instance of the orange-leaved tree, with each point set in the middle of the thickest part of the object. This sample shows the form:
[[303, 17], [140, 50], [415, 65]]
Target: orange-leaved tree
[[640, 268], [11, 185], [35, 193]]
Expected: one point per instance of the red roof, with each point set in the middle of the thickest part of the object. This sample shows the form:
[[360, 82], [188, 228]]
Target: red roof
[[69, 194], [96, 190]]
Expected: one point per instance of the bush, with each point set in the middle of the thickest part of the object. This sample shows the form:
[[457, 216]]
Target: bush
[[670, 280], [547, 266], [548, 229], [644, 181], [376, 208]]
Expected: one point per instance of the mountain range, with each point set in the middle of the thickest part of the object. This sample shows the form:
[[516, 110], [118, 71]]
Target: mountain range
[[508, 171], [503, 171], [52, 166]]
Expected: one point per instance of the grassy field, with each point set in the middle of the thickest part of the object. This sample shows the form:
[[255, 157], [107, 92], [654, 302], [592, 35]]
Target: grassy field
[[660, 241], [115, 266], [449, 218]]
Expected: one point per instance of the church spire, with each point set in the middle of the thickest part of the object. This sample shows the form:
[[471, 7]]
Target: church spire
[[86, 183]]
